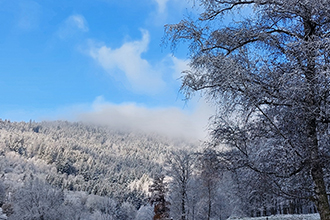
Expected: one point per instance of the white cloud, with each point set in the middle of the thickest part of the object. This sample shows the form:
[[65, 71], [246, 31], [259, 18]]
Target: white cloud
[[171, 121], [141, 75], [161, 5], [73, 25], [189, 123], [179, 65], [29, 15], [169, 11], [78, 21]]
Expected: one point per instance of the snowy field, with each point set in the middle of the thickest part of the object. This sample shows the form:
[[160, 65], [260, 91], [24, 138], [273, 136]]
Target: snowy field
[[284, 217]]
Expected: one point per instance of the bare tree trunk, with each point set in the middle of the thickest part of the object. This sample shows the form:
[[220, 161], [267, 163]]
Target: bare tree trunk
[[320, 194], [321, 198], [183, 204], [209, 203]]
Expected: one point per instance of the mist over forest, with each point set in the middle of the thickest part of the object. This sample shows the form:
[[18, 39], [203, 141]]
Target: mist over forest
[[71, 170], [79, 160], [262, 66]]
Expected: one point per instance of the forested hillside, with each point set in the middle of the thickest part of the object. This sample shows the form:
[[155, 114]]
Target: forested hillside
[[80, 157], [62, 170]]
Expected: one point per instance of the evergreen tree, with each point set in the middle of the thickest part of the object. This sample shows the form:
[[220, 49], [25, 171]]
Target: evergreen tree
[[158, 191]]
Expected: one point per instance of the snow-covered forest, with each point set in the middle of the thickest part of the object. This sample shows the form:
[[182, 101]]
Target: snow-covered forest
[[63, 170], [265, 65], [89, 168], [266, 71]]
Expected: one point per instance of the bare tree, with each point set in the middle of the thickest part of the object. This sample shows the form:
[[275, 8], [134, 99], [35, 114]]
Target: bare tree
[[180, 168], [38, 200], [268, 74], [210, 173]]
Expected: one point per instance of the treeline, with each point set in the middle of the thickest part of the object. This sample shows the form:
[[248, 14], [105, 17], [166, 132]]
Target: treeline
[[202, 185], [84, 157], [62, 170], [76, 157]]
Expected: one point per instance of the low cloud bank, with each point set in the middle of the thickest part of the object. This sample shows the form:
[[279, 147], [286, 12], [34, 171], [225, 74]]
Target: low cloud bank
[[173, 122]]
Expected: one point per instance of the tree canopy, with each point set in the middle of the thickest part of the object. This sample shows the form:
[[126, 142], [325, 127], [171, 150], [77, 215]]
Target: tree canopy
[[267, 71]]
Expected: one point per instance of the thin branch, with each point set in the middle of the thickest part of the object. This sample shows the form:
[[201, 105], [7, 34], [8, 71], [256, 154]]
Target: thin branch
[[213, 14], [278, 130]]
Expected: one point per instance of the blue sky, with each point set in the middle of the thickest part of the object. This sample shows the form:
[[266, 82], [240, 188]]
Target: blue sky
[[95, 60]]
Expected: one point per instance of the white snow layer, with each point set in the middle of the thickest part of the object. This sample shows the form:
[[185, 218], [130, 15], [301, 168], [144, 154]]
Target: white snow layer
[[283, 217]]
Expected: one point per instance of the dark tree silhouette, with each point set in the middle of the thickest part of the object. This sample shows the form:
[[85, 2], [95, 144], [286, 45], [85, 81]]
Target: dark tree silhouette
[[158, 190]]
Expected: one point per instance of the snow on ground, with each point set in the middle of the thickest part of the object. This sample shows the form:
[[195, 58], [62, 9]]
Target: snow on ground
[[283, 217]]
